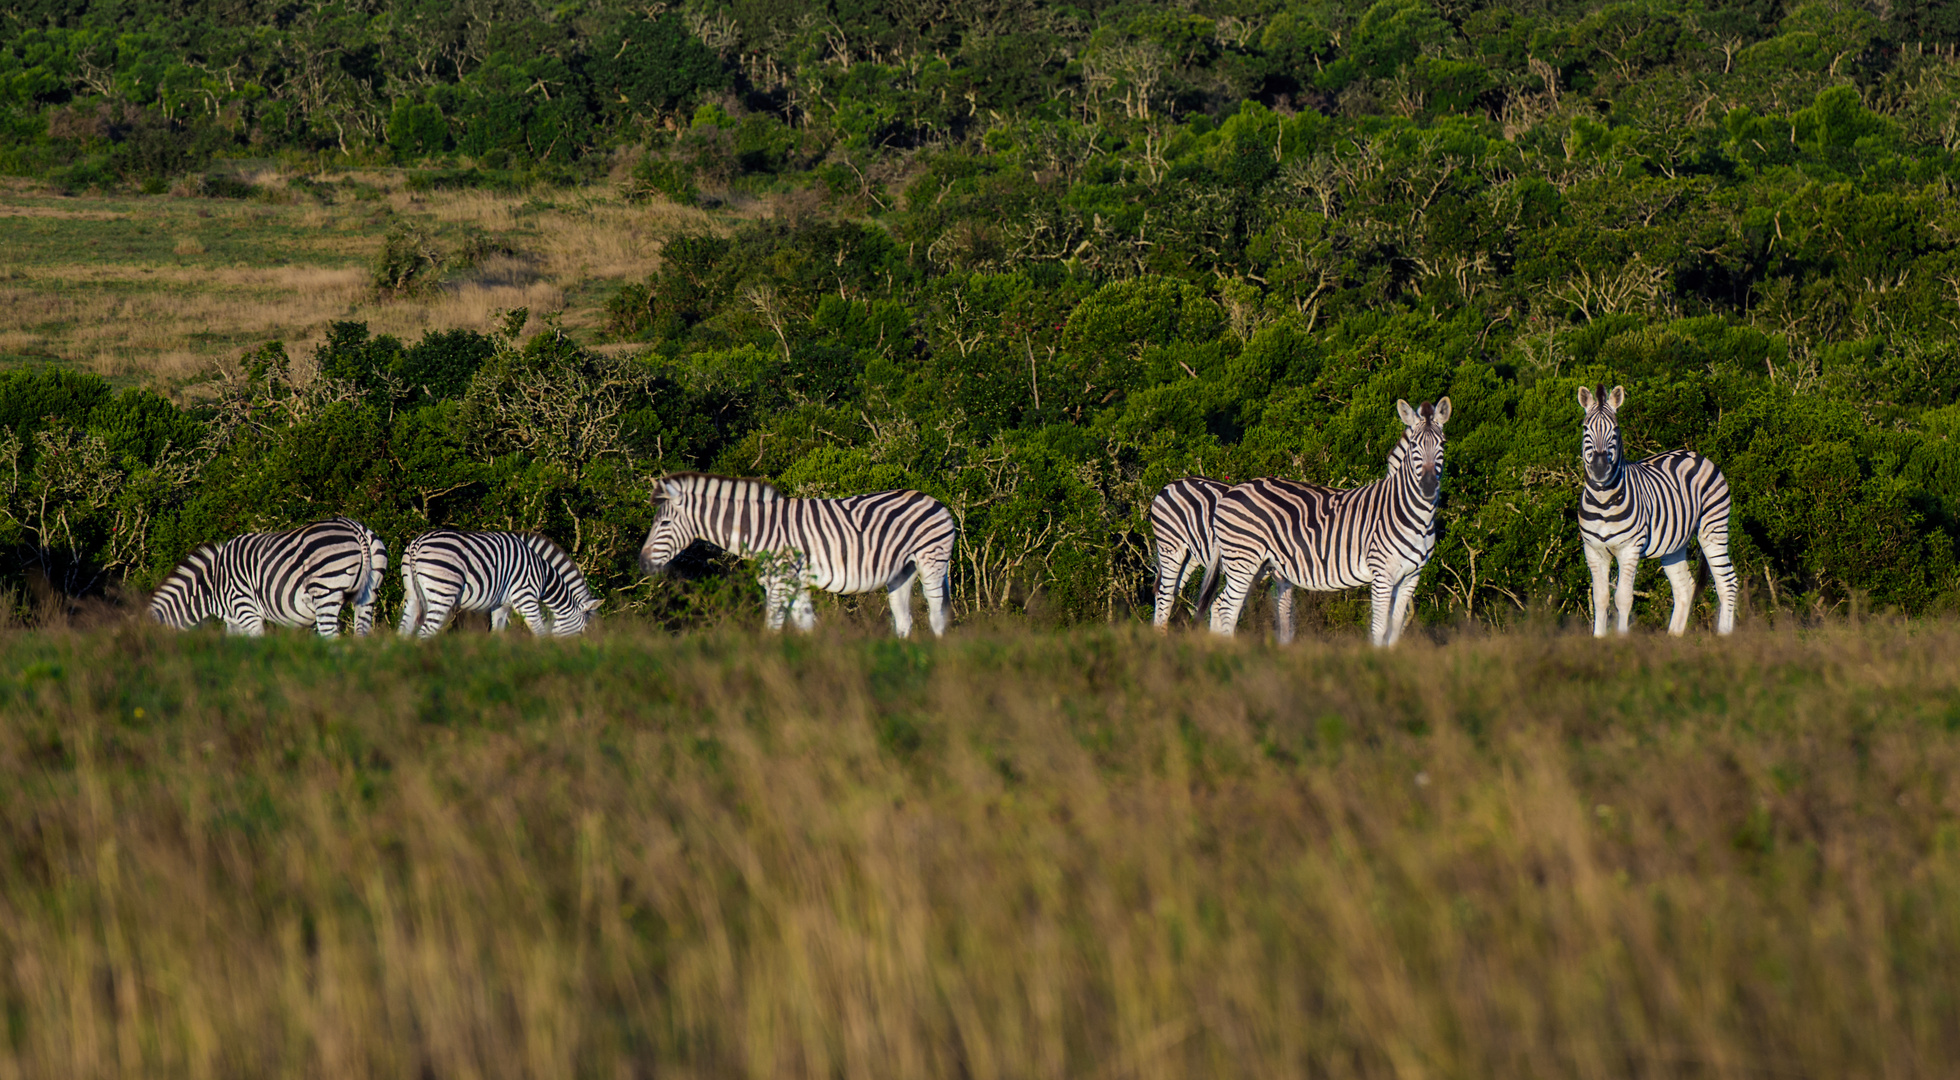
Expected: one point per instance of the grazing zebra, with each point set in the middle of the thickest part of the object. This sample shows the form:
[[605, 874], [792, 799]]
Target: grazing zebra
[[445, 571], [1181, 523], [1319, 538], [852, 545], [297, 578], [1650, 509]]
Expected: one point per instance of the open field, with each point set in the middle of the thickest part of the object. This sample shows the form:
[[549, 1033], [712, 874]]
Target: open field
[[1090, 854], [156, 289]]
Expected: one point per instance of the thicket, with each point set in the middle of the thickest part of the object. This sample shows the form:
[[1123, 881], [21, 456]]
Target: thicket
[[1038, 260]]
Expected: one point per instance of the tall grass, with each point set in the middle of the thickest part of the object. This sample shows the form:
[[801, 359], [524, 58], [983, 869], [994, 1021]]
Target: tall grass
[[1092, 854]]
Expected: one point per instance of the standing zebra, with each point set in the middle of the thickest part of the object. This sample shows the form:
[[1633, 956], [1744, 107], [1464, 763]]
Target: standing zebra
[[297, 578], [1181, 524], [1650, 509], [1319, 538], [445, 571], [851, 545]]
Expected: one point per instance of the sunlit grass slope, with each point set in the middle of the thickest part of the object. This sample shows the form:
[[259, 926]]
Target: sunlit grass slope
[[1093, 854], [156, 290]]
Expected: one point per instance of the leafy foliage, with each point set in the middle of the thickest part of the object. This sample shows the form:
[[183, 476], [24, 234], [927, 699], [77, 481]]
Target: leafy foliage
[[1038, 261]]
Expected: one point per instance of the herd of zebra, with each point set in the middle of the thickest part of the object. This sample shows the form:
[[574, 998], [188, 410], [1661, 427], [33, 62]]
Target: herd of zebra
[[1379, 535]]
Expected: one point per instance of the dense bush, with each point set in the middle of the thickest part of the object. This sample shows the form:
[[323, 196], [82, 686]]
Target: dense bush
[[1041, 264]]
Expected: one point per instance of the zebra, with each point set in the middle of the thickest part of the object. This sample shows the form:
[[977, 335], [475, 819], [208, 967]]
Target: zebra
[[445, 571], [1181, 524], [1650, 509], [297, 578], [852, 545], [1379, 535]]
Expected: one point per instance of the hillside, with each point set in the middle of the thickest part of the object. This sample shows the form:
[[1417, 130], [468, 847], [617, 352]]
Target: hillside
[[1032, 259]]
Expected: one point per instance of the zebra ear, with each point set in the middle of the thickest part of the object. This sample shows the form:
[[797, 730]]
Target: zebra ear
[[1585, 398], [1408, 414], [1442, 411], [591, 606], [1614, 399]]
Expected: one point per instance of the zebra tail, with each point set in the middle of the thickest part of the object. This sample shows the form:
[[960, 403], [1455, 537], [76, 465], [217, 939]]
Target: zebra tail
[[411, 595], [1208, 588]]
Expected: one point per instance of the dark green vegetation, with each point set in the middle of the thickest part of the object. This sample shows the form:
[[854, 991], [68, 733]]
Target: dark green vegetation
[[1037, 260], [1005, 855]]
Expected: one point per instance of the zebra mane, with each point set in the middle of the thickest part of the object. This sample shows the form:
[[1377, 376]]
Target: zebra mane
[[699, 483]]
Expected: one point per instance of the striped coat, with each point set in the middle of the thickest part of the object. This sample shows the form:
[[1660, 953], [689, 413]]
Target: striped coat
[[298, 578], [1186, 539], [445, 571], [851, 545], [1379, 535], [1650, 509]]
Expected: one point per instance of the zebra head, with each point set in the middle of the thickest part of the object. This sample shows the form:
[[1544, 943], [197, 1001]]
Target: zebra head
[[673, 528], [190, 594], [1600, 447], [577, 619], [1418, 457]]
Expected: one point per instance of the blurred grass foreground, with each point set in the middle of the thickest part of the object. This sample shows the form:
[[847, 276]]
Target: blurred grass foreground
[[1013, 854]]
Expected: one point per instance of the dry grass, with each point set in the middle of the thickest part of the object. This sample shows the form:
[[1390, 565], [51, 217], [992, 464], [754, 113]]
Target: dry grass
[[154, 290], [1089, 854]]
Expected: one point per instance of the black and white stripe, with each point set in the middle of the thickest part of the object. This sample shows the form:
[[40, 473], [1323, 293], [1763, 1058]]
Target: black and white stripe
[[1181, 525], [1650, 509], [1312, 537], [853, 545], [445, 571], [298, 578]]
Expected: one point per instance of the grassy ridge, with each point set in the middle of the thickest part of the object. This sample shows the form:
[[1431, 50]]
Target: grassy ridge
[[1095, 853]]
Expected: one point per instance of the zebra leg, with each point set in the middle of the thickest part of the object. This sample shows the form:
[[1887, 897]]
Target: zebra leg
[[1715, 548], [326, 611], [1681, 574], [411, 602], [1381, 606], [1231, 600], [500, 618], [530, 610], [776, 595], [249, 622], [1623, 588], [1600, 561], [364, 598], [1282, 610], [436, 610], [1408, 604], [899, 595], [1170, 581], [933, 581], [1401, 606], [802, 614]]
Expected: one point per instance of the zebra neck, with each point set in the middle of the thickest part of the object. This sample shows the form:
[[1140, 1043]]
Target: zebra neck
[[1607, 490], [1409, 493], [743, 529]]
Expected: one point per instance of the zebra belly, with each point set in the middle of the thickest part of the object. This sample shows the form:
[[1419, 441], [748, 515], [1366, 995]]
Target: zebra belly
[[846, 580], [480, 596], [1318, 574], [1666, 540]]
